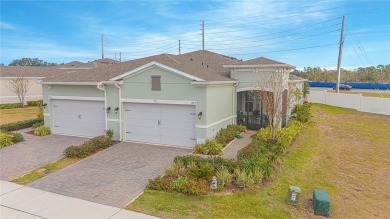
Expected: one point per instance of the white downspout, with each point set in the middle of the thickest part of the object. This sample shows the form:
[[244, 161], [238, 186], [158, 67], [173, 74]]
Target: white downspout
[[105, 101], [120, 111], [234, 92]]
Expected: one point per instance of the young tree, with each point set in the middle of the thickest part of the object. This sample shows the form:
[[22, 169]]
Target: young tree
[[20, 86], [275, 94]]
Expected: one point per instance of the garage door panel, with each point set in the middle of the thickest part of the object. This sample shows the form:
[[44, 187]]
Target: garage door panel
[[161, 123], [80, 118]]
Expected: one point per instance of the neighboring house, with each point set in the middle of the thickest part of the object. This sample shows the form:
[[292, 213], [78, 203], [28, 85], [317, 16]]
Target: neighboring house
[[35, 73], [164, 99]]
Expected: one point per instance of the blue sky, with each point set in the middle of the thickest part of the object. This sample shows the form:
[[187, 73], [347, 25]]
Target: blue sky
[[298, 32]]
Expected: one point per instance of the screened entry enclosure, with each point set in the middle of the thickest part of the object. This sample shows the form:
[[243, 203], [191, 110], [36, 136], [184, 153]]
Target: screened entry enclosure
[[250, 112]]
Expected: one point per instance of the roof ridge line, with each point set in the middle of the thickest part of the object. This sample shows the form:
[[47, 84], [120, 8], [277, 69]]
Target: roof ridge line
[[173, 59]]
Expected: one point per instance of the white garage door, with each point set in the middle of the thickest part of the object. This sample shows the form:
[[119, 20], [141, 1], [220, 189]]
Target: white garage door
[[161, 123], [78, 117]]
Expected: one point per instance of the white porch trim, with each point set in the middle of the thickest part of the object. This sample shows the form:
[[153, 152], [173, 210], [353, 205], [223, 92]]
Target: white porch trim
[[113, 120], [215, 123], [76, 98], [68, 83], [177, 102]]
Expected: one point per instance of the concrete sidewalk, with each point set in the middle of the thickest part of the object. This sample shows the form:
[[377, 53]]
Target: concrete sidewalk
[[17, 201]]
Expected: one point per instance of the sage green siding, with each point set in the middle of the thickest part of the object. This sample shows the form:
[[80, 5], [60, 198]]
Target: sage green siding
[[66, 90], [219, 107], [112, 100], [173, 87]]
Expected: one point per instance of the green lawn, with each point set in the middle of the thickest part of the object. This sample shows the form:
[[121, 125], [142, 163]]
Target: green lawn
[[17, 114], [48, 168], [342, 151]]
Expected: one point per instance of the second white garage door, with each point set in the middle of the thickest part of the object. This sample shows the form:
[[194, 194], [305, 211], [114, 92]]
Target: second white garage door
[[78, 117], [160, 123]]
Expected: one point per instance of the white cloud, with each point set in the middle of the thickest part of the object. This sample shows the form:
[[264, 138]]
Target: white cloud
[[6, 26]]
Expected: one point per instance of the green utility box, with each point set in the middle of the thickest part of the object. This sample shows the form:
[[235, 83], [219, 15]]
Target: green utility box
[[293, 195], [321, 203]]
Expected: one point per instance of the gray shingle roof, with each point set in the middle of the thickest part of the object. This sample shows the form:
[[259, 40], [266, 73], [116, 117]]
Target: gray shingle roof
[[202, 64], [28, 71], [261, 61]]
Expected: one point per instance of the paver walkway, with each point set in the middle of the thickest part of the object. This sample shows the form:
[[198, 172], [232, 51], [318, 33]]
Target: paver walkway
[[236, 145], [18, 201], [32, 153], [114, 176]]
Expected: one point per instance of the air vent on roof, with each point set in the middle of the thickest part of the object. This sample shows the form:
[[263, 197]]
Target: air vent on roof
[[202, 63], [191, 59], [207, 66]]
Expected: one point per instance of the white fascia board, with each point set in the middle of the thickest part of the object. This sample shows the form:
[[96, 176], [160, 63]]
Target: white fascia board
[[258, 66], [112, 82], [68, 83], [75, 68], [76, 98], [213, 82], [176, 102], [154, 63]]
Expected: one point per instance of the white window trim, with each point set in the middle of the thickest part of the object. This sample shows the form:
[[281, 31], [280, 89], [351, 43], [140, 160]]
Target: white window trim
[[76, 98], [215, 123], [177, 102]]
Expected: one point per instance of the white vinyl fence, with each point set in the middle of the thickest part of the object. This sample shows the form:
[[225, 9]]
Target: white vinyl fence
[[352, 101]]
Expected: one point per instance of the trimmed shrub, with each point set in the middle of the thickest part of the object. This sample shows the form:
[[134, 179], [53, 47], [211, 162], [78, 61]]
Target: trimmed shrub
[[17, 137], [20, 124], [42, 131], [224, 177], [110, 133], [35, 103], [237, 128], [303, 112], [36, 125], [244, 178], [216, 162], [210, 147], [202, 171], [175, 169], [180, 184], [5, 139], [10, 105], [89, 147], [224, 136]]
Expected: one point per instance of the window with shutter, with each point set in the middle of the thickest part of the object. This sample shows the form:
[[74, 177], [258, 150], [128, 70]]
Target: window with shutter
[[156, 82]]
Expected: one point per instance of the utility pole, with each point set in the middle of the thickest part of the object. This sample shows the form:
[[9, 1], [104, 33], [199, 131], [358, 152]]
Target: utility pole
[[120, 56], [179, 48], [102, 46], [340, 54], [202, 34]]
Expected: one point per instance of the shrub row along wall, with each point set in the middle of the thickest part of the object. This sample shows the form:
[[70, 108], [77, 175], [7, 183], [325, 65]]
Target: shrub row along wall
[[352, 101], [20, 125]]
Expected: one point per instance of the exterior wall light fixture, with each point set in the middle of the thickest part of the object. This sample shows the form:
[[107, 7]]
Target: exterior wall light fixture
[[116, 110], [108, 109], [200, 115], [44, 105]]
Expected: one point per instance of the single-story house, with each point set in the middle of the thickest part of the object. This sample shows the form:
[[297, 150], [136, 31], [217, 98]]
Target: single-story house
[[35, 73], [165, 99]]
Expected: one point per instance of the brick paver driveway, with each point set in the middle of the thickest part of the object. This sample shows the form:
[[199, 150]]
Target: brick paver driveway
[[114, 176], [34, 152]]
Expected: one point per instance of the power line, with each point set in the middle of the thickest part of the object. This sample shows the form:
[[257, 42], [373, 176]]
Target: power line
[[277, 42], [285, 50]]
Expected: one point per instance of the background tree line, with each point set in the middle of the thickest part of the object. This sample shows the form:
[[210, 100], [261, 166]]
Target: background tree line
[[379, 74], [30, 62]]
